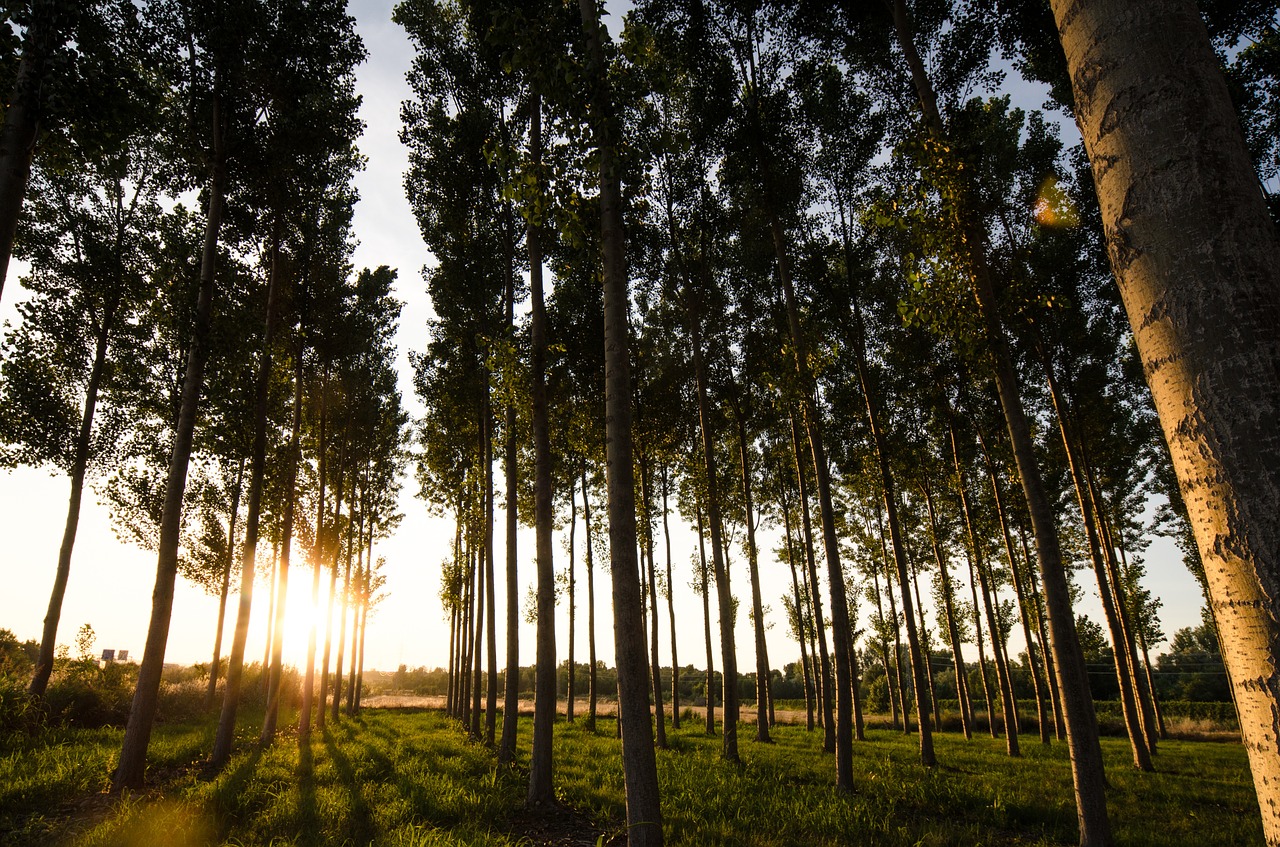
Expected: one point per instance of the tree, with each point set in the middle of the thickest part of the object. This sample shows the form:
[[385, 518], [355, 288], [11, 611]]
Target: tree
[[130, 770], [1193, 250], [644, 815], [90, 240]]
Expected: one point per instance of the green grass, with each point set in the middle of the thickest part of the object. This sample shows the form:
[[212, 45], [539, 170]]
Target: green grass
[[411, 779]]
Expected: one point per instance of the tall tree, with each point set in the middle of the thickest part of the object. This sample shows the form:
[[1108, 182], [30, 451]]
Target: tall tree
[[70, 391], [644, 814], [1193, 250]]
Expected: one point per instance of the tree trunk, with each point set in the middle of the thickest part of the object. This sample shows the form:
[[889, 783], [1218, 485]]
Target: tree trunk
[[469, 616], [644, 815], [655, 664], [20, 132], [225, 737], [1194, 252], [709, 686], [763, 717], [1142, 693], [1042, 716], [573, 530], [1081, 721], [211, 693], [133, 754], [815, 597], [953, 629], [263, 676], [511, 681], [333, 590], [490, 599], [728, 657], [477, 639], [1146, 658], [835, 574], [895, 681], [919, 671], [591, 605], [1120, 653], [286, 545], [79, 466], [364, 623], [926, 646], [317, 558], [1008, 705], [336, 709], [671, 609], [1051, 678], [802, 626], [355, 635], [541, 789]]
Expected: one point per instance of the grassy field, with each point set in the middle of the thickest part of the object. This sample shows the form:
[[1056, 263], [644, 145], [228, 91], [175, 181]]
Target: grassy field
[[411, 779]]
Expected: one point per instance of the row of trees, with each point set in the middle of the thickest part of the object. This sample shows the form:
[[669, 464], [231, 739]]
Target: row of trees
[[223, 373], [862, 299]]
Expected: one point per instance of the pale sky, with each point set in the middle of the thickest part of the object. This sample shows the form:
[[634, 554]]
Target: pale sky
[[111, 583]]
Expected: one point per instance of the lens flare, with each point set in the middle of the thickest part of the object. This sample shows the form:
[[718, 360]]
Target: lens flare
[[1053, 207]]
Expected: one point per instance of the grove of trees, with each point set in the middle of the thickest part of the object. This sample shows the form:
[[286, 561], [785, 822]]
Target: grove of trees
[[800, 279]]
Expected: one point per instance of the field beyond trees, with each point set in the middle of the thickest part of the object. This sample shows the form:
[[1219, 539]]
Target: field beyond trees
[[410, 777]]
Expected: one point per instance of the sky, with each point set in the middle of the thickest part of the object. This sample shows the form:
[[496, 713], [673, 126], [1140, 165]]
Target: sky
[[111, 582]]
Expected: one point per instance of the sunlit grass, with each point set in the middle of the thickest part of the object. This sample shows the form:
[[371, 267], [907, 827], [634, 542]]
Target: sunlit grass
[[412, 778]]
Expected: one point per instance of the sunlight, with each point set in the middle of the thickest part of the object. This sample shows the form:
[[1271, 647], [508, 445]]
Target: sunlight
[[299, 615], [1053, 206]]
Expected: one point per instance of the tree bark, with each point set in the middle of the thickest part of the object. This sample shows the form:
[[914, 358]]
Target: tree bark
[[541, 788], [511, 680], [815, 597], [79, 466], [267, 736], [225, 736], [591, 605], [953, 629], [214, 667], [130, 770], [671, 609], [709, 686], [757, 603], [640, 773], [728, 657], [655, 662], [317, 558]]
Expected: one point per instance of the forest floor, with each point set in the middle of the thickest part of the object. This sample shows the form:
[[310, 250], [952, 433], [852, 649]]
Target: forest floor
[[410, 778]]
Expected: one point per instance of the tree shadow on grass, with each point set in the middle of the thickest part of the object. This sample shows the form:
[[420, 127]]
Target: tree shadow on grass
[[363, 829], [225, 799], [309, 830]]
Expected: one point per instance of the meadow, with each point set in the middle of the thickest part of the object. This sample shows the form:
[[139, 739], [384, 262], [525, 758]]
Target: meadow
[[411, 778]]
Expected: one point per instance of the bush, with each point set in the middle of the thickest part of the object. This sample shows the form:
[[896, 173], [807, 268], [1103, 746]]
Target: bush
[[17, 709], [82, 694]]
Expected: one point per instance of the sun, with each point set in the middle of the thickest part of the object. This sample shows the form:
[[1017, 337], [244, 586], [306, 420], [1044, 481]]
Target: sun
[[300, 615]]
